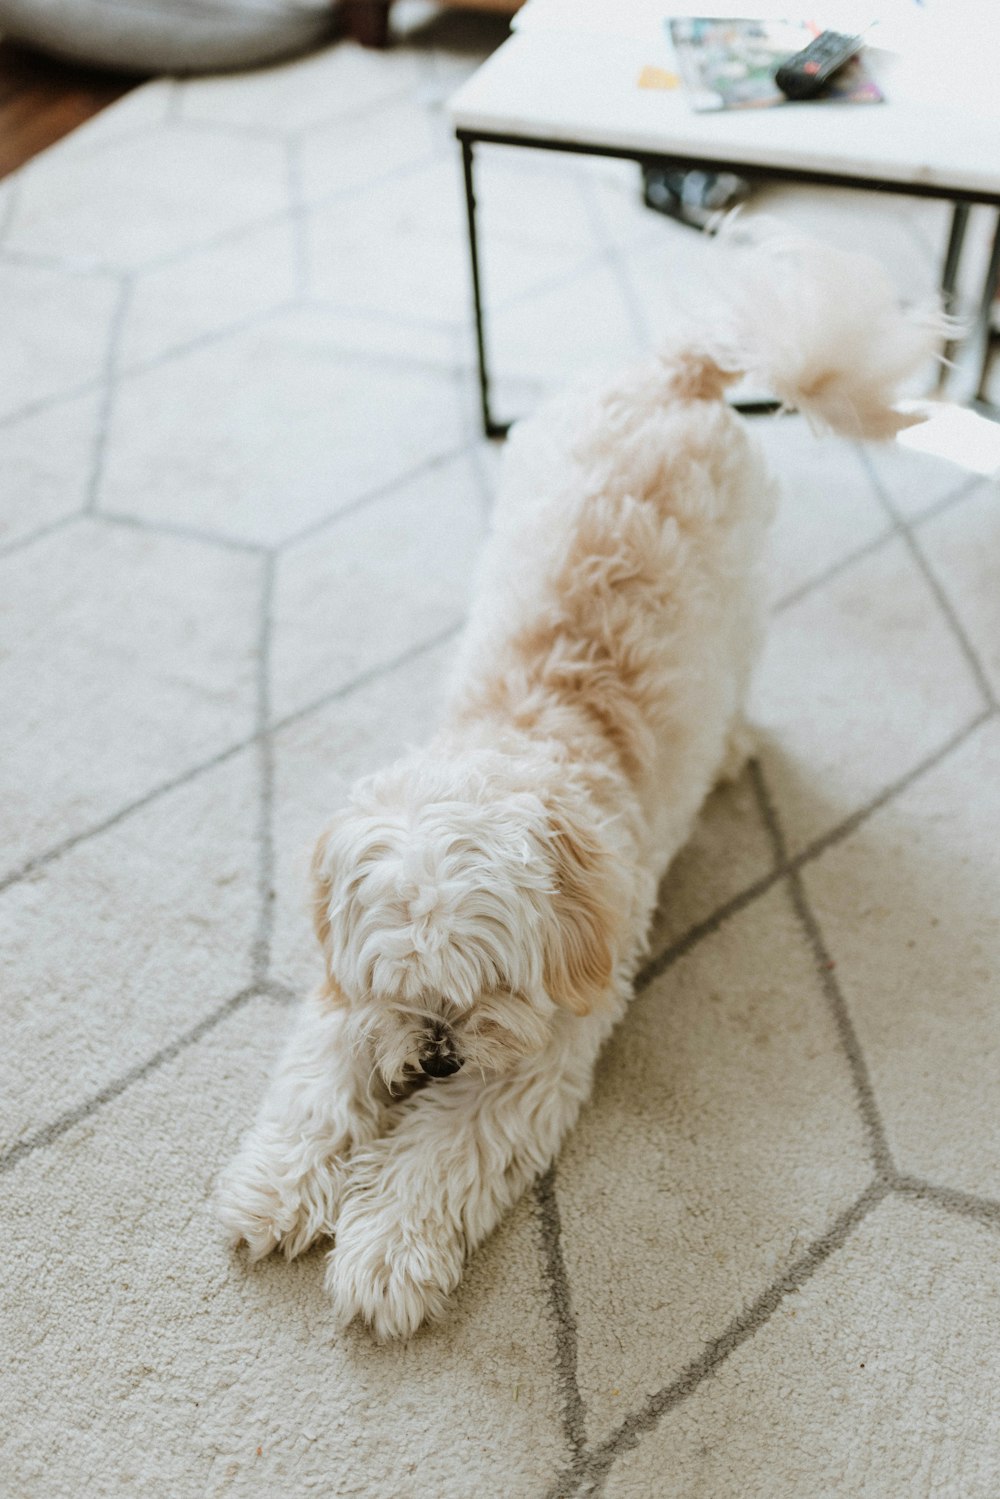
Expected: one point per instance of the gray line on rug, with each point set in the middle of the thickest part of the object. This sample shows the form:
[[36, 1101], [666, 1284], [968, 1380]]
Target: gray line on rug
[[593, 260], [218, 241], [280, 992], [842, 565], [50, 402], [944, 603], [343, 195], [963, 489], [658, 964], [824, 964], [69, 265], [185, 533], [985, 1210], [864, 1090], [106, 404], [58, 1127], [142, 366], [283, 993], [207, 339], [970, 486], [614, 258], [370, 109], [20, 542], [972, 657], [366, 678], [391, 318], [889, 793], [591, 1468], [230, 235], [379, 492], [961, 492], [182, 124], [598, 1463], [356, 684], [452, 367], [297, 216], [39, 861], [707, 927], [561, 1305]]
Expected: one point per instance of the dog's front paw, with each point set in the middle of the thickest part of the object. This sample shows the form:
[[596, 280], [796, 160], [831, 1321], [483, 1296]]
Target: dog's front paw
[[276, 1194], [393, 1273]]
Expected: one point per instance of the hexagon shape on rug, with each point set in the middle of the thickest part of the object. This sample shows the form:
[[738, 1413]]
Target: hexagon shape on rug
[[269, 430], [207, 290], [266, 1387], [56, 327], [860, 681], [722, 1137], [131, 658], [125, 942], [351, 153], [46, 458], [728, 852], [910, 904], [375, 584], [962, 547], [828, 510], [878, 1377], [183, 187]]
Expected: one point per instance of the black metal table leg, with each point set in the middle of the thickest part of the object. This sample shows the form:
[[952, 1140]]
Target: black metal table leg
[[490, 427], [980, 340], [949, 278], [953, 254], [983, 335]]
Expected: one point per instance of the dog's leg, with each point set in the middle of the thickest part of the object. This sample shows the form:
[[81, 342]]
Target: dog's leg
[[421, 1198], [740, 746], [284, 1185]]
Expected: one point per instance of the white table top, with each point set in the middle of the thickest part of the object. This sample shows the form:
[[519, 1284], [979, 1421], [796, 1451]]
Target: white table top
[[570, 74]]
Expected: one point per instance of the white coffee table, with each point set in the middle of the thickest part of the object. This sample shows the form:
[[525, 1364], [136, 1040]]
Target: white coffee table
[[567, 80]]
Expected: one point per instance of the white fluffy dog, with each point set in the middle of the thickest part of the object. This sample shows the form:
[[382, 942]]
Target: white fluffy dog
[[483, 904]]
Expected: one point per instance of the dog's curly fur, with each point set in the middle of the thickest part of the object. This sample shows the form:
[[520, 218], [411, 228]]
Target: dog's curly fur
[[482, 905]]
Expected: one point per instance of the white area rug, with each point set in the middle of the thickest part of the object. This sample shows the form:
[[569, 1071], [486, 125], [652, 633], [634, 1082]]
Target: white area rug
[[242, 492]]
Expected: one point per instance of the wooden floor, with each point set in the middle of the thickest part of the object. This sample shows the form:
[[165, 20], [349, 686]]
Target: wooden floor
[[42, 100]]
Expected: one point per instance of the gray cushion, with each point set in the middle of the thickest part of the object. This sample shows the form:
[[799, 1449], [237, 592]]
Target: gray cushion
[[167, 36]]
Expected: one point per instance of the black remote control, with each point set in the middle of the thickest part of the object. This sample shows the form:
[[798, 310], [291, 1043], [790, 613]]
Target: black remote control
[[807, 72]]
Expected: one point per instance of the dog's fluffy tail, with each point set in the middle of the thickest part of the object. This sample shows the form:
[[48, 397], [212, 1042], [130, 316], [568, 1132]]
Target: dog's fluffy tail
[[820, 329]]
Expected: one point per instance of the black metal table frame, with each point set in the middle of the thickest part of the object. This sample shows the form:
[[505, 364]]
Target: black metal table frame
[[961, 199]]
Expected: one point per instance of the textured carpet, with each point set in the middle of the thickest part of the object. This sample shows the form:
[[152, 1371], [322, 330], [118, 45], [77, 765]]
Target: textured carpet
[[242, 492]]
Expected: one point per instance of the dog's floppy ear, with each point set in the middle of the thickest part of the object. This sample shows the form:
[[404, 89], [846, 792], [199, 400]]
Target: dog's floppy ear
[[580, 950]]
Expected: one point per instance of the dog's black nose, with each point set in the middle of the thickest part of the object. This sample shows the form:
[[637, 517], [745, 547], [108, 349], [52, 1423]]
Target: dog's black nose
[[440, 1063]]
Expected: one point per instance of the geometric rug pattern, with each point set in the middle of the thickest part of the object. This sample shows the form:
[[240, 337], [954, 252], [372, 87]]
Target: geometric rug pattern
[[244, 489]]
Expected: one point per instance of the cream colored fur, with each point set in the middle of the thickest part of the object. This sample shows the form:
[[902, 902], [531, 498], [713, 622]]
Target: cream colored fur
[[483, 903]]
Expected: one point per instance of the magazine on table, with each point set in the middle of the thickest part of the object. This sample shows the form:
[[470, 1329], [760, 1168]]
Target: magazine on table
[[730, 64]]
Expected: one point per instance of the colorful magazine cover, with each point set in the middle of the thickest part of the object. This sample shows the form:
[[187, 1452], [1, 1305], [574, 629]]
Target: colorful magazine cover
[[731, 64]]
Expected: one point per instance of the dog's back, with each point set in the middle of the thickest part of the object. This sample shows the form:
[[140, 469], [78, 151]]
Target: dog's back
[[618, 604]]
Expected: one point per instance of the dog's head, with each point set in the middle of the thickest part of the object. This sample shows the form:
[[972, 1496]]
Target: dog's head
[[459, 913]]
